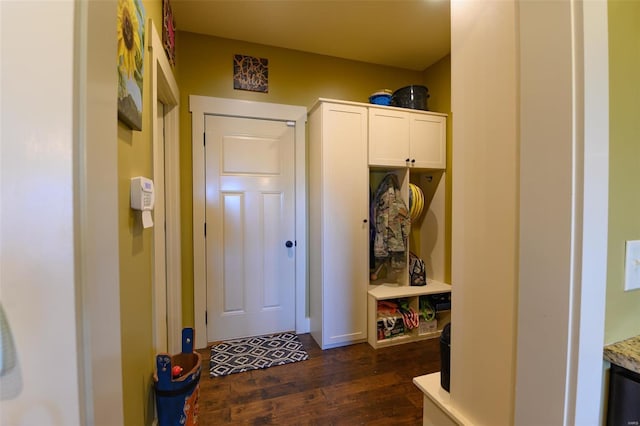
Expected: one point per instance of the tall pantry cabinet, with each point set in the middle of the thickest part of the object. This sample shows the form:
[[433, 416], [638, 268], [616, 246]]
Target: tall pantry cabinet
[[353, 146], [338, 223]]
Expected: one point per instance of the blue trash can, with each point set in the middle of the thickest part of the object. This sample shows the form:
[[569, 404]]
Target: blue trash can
[[177, 394]]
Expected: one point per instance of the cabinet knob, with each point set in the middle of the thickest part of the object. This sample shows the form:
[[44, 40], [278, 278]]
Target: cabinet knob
[[407, 160], [289, 244], [413, 161], [364, 221]]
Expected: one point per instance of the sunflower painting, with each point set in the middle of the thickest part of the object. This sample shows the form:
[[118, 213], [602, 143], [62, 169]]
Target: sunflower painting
[[130, 62]]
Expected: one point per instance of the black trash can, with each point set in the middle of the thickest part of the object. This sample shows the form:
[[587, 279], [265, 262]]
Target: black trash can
[[177, 384], [445, 357]]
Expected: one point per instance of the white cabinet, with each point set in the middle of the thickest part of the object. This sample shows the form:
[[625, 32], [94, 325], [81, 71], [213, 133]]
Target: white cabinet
[[338, 223], [427, 241], [389, 137], [411, 145], [427, 141], [401, 138], [352, 146]]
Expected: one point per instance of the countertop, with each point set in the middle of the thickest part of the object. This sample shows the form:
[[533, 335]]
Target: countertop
[[625, 353], [430, 386]]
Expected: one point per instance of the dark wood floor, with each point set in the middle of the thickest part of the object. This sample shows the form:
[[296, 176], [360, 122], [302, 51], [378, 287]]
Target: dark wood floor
[[352, 385]]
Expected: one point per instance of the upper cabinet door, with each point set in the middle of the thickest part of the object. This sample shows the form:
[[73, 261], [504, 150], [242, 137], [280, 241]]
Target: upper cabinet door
[[388, 138], [400, 138], [428, 141]]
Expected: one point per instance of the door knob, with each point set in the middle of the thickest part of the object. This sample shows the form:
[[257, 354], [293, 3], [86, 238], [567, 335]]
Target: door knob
[[289, 244]]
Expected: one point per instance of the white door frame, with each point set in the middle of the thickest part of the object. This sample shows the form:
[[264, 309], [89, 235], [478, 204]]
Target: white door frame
[[553, 283], [563, 253], [199, 107], [167, 269]]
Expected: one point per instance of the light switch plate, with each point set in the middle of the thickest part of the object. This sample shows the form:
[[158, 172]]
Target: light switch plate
[[632, 266]]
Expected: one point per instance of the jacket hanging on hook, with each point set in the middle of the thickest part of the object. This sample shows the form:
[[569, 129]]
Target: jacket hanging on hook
[[392, 222]]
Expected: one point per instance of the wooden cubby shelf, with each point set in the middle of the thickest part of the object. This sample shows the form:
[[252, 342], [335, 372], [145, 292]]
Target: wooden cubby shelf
[[410, 295]]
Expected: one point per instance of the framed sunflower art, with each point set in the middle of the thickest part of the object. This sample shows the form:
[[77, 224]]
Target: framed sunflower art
[[131, 18]]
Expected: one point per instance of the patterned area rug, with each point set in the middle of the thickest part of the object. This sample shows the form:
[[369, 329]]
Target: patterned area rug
[[253, 353]]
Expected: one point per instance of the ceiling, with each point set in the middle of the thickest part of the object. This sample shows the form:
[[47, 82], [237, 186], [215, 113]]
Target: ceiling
[[409, 34]]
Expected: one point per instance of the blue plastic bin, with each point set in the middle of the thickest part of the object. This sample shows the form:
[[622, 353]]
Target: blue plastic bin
[[177, 397]]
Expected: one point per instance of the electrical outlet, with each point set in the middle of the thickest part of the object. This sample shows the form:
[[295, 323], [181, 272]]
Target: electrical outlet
[[632, 266]]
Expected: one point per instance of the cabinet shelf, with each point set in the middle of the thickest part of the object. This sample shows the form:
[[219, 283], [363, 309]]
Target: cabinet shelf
[[413, 294], [392, 341], [393, 291], [405, 338]]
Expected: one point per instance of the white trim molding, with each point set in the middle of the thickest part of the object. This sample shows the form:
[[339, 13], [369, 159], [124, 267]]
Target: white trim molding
[[563, 211], [167, 275], [199, 107]]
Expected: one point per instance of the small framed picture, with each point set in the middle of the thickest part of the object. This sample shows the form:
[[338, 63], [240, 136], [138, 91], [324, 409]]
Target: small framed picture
[[250, 73], [169, 32]]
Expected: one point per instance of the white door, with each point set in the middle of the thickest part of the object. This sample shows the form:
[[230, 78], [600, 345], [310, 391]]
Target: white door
[[250, 226]]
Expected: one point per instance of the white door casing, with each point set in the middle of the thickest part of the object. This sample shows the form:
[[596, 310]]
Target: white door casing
[[161, 340], [167, 269], [201, 106], [563, 252], [249, 217]]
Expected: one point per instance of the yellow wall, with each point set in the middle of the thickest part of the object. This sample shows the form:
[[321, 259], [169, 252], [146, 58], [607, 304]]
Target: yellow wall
[[623, 308], [438, 79], [205, 67], [135, 159]]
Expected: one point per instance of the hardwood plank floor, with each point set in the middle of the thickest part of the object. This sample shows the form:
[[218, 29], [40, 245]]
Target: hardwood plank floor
[[352, 385]]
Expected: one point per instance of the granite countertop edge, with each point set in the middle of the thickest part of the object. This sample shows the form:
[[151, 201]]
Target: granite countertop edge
[[625, 353]]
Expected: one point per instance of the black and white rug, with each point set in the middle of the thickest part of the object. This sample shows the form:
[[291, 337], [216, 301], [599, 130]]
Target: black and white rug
[[253, 353]]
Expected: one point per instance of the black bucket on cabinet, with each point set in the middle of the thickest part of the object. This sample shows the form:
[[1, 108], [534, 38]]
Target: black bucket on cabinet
[[414, 97], [445, 357]]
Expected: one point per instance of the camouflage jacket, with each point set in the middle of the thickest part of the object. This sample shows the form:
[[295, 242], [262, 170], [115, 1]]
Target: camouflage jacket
[[392, 221]]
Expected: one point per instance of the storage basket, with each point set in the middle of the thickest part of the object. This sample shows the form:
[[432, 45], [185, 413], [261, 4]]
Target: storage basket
[[177, 397]]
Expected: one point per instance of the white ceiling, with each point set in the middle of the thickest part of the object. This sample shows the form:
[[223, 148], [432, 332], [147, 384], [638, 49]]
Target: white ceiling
[[409, 34]]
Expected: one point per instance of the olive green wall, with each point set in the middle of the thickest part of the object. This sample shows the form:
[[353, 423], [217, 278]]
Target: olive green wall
[[136, 254], [438, 79], [204, 66], [623, 308]]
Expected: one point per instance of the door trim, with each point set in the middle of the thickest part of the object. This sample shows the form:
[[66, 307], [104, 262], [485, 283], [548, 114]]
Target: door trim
[[167, 292], [199, 107]]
